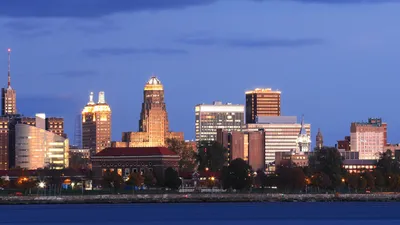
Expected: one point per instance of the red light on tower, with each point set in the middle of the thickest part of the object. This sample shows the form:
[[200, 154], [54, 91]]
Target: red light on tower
[[9, 50]]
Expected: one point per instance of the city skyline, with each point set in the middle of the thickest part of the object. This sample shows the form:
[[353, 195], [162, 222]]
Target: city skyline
[[322, 73]]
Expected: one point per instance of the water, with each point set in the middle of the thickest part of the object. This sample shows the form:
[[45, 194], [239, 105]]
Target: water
[[365, 213]]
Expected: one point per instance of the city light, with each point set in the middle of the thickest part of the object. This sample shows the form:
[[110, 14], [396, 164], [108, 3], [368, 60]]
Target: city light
[[42, 184]]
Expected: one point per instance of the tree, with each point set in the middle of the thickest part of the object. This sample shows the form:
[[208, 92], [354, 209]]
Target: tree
[[379, 180], [260, 179], [26, 183], [149, 178], [187, 162], [291, 178], [4, 183], [329, 161], [370, 180], [353, 181], [112, 180], [212, 156], [172, 179], [135, 179], [238, 175]]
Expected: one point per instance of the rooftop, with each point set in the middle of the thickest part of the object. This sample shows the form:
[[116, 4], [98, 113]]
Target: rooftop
[[137, 151]]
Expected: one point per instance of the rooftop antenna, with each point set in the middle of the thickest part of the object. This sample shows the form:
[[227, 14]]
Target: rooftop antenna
[[9, 67]]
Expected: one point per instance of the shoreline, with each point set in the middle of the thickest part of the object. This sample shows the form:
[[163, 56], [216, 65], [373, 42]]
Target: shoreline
[[196, 198]]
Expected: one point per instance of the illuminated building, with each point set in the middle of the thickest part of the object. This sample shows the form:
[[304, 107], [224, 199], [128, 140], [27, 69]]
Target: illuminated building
[[35, 147], [209, 118], [368, 138], [4, 143], [55, 125], [319, 139], [248, 146], [96, 124], [279, 137], [153, 123], [262, 102], [304, 139], [8, 95]]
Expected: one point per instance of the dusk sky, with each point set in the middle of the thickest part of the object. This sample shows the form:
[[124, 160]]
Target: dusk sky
[[335, 61]]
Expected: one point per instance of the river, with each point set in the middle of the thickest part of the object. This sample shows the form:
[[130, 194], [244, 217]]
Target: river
[[296, 213]]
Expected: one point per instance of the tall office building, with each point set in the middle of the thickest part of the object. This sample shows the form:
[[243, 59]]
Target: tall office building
[[368, 138], [281, 134], [209, 118], [8, 95], [55, 125], [153, 123], [35, 147], [262, 102], [4, 144], [96, 124]]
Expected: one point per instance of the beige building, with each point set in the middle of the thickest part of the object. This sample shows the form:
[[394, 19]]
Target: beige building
[[280, 137], [262, 102], [35, 147], [368, 138], [153, 123], [96, 124]]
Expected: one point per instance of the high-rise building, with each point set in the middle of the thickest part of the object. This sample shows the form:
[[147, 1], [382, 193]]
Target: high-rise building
[[368, 138], [248, 146], [153, 123], [56, 125], [319, 140], [209, 118], [279, 137], [4, 143], [35, 147], [96, 124], [8, 95], [262, 102]]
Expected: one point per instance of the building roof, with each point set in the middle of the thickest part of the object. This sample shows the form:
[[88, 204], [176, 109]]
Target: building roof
[[137, 151], [154, 81]]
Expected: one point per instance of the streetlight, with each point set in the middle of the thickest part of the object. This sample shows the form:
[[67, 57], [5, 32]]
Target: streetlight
[[42, 184]]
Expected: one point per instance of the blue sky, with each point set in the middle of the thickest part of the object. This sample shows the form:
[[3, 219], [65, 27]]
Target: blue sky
[[336, 61]]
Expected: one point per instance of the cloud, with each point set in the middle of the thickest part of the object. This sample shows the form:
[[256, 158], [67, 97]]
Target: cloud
[[132, 51], [27, 28], [253, 43], [88, 8], [75, 73]]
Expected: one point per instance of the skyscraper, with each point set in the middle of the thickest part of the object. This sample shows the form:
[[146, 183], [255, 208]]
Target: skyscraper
[[262, 102], [8, 95], [368, 138], [96, 124], [153, 123], [209, 118]]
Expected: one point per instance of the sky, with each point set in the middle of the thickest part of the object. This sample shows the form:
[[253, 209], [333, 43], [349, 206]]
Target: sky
[[335, 61]]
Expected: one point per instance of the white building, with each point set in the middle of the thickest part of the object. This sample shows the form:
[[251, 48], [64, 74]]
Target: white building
[[35, 147], [282, 136], [209, 118]]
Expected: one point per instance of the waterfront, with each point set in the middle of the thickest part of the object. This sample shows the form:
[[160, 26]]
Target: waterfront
[[204, 213]]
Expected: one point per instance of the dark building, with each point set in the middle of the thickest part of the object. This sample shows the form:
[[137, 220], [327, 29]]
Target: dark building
[[319, 139], [262, 102], [4, 143], [56, 125], [344, 145], [128, 160]]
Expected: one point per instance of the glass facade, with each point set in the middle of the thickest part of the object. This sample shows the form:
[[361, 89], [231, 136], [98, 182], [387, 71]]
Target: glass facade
[[38, 148], [209, 118]]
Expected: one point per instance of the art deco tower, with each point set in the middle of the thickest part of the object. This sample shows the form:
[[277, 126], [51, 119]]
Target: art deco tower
[[153, 123], [8, 95], [96, 125]]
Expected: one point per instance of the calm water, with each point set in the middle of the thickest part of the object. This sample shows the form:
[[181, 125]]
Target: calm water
[[210, 213]]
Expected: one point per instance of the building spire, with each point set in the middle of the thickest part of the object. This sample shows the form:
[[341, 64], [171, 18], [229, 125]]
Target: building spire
[[9, 68], [102, 97], [303, 128], [91, 102]]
